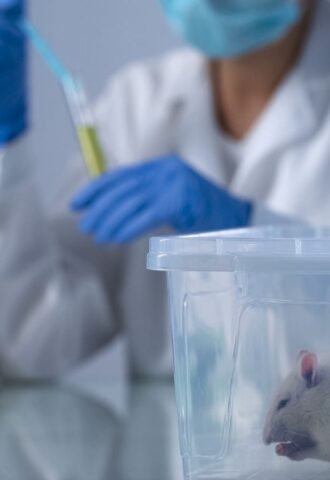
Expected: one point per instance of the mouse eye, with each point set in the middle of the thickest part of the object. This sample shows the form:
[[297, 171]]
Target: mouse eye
[[283, 403]]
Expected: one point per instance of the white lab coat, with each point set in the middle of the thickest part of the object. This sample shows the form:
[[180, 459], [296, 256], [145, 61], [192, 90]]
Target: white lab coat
[[164, 105]]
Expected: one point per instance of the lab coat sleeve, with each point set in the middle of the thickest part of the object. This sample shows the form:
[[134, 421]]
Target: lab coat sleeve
[[104, 267], [54, 310], [66, 297]]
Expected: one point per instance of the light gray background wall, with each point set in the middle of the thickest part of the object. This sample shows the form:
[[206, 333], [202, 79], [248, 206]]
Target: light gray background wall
[[93, 38]]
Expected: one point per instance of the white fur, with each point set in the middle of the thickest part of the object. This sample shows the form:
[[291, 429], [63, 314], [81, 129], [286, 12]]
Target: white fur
[[305, 420]]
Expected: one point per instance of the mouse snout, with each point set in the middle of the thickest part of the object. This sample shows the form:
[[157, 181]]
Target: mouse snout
[[267, 437], [270, 432]]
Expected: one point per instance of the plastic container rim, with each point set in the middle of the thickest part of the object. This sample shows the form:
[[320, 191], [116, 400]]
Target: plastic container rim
[[268, 247]]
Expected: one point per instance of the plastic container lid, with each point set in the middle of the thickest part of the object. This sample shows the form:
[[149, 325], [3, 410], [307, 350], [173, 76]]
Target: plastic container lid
[[289, 248]]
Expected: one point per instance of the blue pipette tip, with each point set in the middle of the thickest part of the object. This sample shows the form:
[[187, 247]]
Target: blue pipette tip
[[45, 51], [71, 84]]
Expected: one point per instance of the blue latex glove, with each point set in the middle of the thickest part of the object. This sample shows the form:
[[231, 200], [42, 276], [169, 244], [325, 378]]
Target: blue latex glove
[[124, 204], [13, 108]]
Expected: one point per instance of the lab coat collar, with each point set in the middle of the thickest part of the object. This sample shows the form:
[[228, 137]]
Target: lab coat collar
[[288, 118], [313, 67], [297, 108], [183, 81], [197, 133], [187, 122], [188, 91], [180, 86], [293, 113]]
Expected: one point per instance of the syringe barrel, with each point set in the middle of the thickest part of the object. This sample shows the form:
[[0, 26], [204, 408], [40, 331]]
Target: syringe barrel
[[85, 127]]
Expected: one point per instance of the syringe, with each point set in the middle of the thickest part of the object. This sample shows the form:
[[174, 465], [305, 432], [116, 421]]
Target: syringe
[[85, 126], [76, 100]]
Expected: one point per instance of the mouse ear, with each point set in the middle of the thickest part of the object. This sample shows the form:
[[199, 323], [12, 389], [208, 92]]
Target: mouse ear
[[308, 368], [301, 354]]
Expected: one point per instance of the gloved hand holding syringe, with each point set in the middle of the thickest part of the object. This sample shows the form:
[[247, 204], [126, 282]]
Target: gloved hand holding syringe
[[77, 101]]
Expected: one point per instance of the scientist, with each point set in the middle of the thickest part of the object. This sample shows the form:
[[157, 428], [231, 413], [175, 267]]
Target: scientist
[[231, 131]]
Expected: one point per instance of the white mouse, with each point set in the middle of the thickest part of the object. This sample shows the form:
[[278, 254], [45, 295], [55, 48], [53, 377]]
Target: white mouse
[[298, 420]]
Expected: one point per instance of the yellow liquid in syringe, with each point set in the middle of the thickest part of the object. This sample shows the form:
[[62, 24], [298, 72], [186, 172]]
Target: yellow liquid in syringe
[[92, 151]]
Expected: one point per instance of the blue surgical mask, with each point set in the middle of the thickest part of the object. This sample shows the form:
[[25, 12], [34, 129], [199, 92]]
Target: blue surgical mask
[[231, 28]]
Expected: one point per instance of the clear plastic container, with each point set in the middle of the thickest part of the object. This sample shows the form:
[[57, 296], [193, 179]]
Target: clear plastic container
[[251, 339]]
